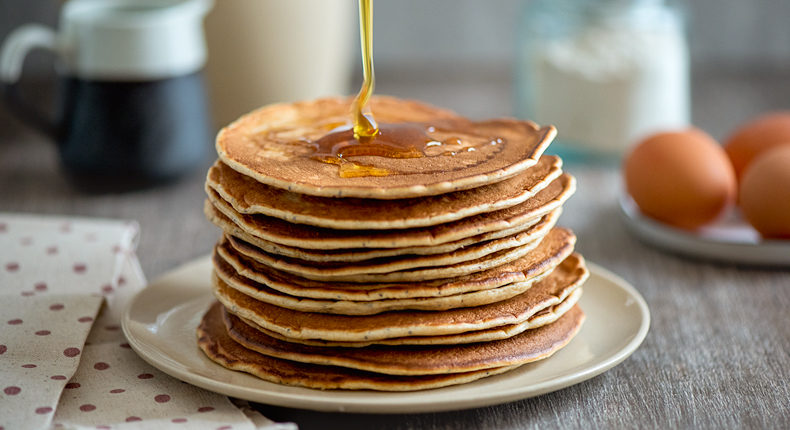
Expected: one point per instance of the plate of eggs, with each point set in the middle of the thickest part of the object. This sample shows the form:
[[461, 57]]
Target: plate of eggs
[[686, 193]]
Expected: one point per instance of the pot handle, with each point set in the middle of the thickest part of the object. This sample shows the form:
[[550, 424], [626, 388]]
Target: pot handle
[[12, 57]]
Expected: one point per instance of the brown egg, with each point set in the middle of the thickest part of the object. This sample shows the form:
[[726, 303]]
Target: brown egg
[[764, 194], [681, 178], [756, 136]]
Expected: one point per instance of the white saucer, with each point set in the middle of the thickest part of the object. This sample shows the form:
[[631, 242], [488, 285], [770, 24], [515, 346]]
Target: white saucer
[[729, 240], [160, 325]]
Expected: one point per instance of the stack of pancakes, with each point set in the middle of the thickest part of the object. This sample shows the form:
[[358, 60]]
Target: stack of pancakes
[[386, 273]]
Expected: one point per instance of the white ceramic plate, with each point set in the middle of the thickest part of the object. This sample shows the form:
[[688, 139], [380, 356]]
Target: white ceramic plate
[[730, 240], [160, 325]]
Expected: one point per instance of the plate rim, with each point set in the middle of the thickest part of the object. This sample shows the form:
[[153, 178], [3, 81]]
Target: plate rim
[[372, 404], [768, 252]]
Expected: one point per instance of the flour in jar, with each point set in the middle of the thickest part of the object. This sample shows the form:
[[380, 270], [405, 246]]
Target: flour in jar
[[608, 86]]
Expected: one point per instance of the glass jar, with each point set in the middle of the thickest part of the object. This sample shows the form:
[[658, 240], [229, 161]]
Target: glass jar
[[604, 72]]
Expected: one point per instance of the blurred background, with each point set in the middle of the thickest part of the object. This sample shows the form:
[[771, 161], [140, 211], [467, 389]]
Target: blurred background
[[420, 45], [460, 54]]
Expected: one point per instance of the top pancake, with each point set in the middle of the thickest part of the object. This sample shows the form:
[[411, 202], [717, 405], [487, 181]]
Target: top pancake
[[272, 145]]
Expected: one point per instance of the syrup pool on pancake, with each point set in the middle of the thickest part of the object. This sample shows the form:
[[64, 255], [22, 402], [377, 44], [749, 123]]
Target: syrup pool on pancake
[[365, 137]]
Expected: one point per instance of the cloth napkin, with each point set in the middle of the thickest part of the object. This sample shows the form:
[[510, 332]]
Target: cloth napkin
[[64, 362]]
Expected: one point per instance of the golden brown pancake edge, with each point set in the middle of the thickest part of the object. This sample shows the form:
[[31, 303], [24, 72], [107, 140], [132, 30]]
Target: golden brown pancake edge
[[241, 147], [213, 340]]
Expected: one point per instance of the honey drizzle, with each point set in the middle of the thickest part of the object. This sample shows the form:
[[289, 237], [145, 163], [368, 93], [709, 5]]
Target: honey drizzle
[[365, 137], [364, 124]]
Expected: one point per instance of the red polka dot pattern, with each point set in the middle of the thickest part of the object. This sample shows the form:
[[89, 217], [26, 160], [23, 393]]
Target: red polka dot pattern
[[205, 409], [87, 407], [71, 352], [179, 420], [145, 376], [162, 398], [12, 390], [43, 337]]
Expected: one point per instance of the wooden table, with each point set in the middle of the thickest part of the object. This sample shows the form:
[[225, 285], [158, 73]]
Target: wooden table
[[718, 351]]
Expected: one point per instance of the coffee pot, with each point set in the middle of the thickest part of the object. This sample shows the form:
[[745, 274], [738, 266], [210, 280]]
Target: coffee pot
[[132, 108]]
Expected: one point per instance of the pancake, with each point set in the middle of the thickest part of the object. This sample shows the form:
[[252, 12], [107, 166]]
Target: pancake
[[358, 254], [273, 145], [215, 343], [555, 247], [305, 325], [541, 318], [349, 307], [307, 237], [462, 261], [526, 347], [390, 269], [247, 196]]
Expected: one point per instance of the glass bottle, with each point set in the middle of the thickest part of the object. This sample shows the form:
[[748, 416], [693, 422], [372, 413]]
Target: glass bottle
[[604, 72]]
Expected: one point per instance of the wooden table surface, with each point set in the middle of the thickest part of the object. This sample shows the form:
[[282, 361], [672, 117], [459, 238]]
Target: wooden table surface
[[718, 351]]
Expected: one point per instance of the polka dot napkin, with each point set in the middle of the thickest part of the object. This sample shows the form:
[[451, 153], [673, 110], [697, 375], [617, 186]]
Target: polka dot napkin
[[64, 362]]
